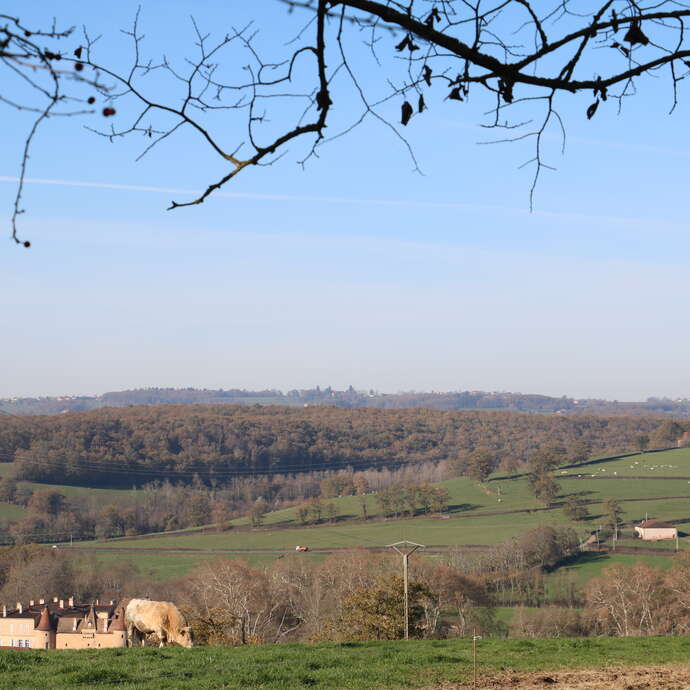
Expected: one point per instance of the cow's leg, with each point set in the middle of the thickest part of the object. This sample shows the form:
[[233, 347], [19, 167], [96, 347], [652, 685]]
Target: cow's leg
[[130, 635], [162, 637]]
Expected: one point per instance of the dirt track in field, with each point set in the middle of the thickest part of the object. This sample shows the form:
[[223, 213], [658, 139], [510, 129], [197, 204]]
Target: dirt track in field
[[642, 678]]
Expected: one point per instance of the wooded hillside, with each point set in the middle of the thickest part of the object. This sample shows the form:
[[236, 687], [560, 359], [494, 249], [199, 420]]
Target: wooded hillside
[[124, 445]]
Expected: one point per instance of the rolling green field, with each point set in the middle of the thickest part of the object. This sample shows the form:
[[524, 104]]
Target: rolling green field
[[669, 463], [479, 514], [169, 566], [357, 665], [592, 482], [487, 529]]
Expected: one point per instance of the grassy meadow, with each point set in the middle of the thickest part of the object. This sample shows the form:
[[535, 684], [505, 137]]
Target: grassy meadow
[[669, 463], [355, 665]]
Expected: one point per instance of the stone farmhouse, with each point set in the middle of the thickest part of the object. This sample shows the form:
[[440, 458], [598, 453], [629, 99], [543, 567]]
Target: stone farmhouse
[[62, 624], [654, 530]]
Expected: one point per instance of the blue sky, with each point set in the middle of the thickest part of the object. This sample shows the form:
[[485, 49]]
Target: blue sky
[[354, 270]]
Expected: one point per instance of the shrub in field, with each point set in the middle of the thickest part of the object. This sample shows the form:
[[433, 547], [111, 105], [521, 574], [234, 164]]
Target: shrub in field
[[377, 613]]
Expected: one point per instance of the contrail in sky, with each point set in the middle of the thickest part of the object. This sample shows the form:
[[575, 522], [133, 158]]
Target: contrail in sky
[[246, 195], [343, 200]]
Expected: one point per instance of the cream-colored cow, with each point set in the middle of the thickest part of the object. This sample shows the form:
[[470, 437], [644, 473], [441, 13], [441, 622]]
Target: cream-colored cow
[[143, 617]]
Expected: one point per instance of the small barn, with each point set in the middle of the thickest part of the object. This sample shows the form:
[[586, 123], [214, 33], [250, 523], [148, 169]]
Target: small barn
[[654, 530]]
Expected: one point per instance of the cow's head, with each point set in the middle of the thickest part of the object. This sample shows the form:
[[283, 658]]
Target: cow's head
[[184, 637]]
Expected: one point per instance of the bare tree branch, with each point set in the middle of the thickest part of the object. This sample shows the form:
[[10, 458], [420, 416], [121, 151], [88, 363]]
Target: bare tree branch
[[518, 53]]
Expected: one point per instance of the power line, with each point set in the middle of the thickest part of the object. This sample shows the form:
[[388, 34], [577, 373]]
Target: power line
[[208, 470]]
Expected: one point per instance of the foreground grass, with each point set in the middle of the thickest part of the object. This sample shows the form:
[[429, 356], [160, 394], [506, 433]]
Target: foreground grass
[[364, 665]]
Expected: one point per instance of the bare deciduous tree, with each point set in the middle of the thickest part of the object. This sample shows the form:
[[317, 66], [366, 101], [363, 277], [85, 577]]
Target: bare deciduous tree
[[232, 603], [630, 602]]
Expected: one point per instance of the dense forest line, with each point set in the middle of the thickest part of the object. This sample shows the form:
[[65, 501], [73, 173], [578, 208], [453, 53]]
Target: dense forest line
[[464, 400], [125, 446]]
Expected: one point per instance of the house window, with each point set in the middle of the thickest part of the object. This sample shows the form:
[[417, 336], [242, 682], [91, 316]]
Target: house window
[[27, 643]]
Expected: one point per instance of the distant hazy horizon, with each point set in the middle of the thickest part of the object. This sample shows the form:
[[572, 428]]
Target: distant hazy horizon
[[365, 389]]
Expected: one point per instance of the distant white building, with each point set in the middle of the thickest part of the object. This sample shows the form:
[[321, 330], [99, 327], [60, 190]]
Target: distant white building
[[654, 530]]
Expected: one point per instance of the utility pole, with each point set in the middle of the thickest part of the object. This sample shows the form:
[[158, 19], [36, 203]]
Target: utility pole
[[615, 534], [406, 549]]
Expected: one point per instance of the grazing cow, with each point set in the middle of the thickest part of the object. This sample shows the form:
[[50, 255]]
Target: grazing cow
[[159, 617]]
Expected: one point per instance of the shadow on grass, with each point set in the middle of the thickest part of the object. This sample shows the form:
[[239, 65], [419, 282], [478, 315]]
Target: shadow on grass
[[463, 507], [576, 494], [584, 558]]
